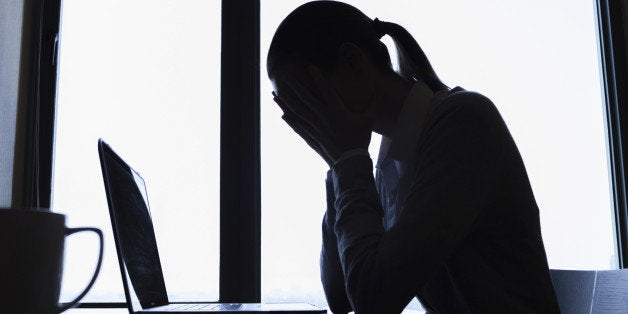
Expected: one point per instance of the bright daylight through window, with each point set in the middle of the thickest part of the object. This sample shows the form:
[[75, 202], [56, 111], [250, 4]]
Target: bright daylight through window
[[536, 60], [145, 76]]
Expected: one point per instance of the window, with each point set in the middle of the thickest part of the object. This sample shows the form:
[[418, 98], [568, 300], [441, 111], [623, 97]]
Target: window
[[537, 61], [145, 76]]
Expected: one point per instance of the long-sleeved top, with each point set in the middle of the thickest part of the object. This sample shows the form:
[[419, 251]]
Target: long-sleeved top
[[456, 225]]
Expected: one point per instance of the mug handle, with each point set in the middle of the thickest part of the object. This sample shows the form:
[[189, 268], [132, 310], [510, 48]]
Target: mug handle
[[69, 231]]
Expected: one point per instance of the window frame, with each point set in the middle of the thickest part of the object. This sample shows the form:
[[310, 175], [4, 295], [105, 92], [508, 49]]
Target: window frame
[[37, 91], [612, 45], [240, 188]]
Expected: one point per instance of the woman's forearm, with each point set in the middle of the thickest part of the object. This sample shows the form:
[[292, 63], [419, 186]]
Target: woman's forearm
[[332, 276]]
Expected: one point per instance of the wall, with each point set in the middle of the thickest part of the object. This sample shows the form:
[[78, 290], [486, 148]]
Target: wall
[[10, 39]]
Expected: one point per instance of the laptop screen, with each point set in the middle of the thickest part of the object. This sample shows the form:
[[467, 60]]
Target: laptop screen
[[133, 231]]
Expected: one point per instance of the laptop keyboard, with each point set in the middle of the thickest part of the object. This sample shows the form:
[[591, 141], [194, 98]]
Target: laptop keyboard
[[202, 306], [228, 307]]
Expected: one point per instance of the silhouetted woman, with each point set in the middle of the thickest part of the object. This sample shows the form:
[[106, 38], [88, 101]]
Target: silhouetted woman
[[450, 217]]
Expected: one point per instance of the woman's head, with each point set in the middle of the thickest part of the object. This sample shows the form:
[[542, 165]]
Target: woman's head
[[345, 45], [326, 34], [315, 31]]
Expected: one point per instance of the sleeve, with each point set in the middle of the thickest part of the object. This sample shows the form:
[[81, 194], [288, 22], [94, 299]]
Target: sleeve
[[332, 277], [457, 171]]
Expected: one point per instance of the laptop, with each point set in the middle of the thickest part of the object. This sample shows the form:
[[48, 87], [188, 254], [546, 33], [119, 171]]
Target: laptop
[[136, 245]]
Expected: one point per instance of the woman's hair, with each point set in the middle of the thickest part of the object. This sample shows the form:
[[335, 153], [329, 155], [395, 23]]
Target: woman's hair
[[314, 31]]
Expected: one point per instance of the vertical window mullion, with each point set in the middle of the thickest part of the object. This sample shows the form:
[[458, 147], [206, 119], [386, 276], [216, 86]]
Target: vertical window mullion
[[32, 175], [240, 153], [614, 69]]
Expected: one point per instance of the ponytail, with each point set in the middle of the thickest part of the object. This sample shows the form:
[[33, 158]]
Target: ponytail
[[413, 63]]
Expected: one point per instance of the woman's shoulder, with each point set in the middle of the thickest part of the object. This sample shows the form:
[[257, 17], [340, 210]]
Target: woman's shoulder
[[459, 101], [459, 97]]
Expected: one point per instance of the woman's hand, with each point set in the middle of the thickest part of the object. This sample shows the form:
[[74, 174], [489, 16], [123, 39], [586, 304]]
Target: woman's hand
[[298, 126], [325, 124]]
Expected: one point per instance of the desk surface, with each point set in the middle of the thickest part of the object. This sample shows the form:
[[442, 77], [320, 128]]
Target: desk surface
[[123, 311], [97, 311]]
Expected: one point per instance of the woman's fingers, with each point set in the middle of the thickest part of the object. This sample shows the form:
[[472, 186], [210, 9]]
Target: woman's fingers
[[329, 95], [282, 105], [321, 109], [306, 132], [302, 128], [298, 114], [290, 105]]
